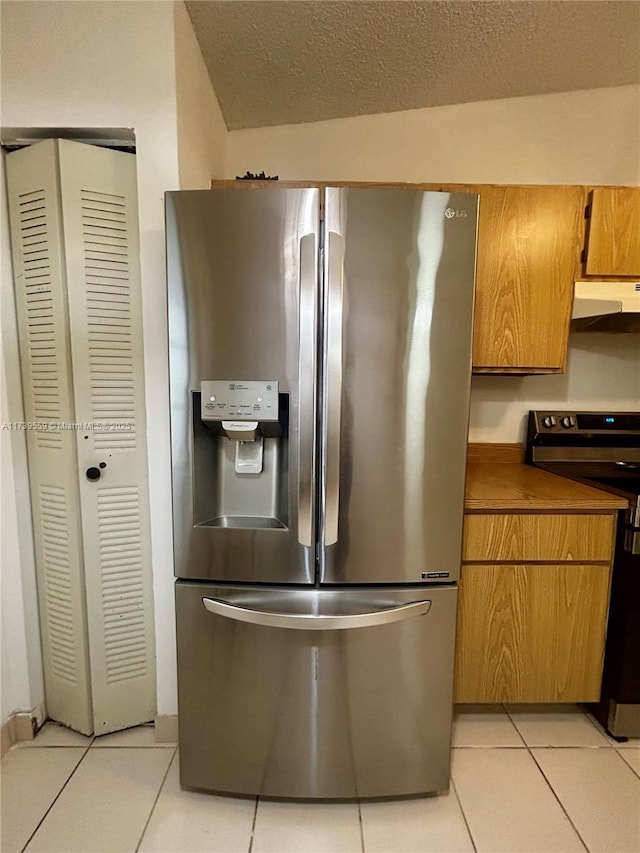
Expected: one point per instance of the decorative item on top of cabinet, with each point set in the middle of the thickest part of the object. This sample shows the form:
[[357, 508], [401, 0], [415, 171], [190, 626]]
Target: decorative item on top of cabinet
[[528, 257], [613, 232]]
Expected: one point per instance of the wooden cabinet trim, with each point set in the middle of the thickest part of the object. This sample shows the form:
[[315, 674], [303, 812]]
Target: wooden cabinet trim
[[526, 537], [495, 452]]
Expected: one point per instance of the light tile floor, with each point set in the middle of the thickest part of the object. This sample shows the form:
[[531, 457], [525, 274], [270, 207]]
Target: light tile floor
[[544, 779]]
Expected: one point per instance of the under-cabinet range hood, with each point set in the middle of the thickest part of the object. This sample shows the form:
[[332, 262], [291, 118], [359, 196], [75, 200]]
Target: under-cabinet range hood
[[606, 306]]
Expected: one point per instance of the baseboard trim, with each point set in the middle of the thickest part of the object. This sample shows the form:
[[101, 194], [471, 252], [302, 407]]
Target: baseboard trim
[[166, 728], [22, 725], [8, 737]]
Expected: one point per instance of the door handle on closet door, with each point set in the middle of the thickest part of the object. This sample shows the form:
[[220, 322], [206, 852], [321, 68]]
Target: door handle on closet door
[[307, 385], [334, 261], [94, 473], [313, 622]]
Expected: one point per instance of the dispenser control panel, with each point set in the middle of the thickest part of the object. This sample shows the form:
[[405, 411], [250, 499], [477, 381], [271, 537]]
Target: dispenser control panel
[[224, 400]]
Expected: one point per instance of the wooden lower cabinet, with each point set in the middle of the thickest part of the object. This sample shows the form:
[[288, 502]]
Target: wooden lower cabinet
[[531, 632]]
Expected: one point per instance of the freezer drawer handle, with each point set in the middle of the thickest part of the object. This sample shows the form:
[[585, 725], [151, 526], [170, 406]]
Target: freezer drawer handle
[[310, 622]]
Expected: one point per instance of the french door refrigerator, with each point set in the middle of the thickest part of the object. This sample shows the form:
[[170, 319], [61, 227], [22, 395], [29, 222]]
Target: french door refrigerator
[[320, 360]]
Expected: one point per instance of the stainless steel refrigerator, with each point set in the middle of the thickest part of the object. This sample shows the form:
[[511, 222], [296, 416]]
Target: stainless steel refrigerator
[[320, 361]]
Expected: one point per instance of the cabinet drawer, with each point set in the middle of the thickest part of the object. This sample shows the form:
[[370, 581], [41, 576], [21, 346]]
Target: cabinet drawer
[[526, 537], [531, 633]]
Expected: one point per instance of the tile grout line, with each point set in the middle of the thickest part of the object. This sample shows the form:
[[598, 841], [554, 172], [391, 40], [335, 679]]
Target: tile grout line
[[157, 797], [253, 825], [513, 723], [605, 745], [464, 817], [560, 803], [551, 788], [618, 752], [57, 796], [633, 769], [523, 745], [361, 827], [621, 754], [494, 746]]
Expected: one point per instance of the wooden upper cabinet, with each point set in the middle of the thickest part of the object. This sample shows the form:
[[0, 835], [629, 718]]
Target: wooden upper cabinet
[[613, 232], [528, 256]]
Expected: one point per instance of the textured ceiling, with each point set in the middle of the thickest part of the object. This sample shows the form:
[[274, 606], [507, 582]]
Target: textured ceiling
[[287, 62]]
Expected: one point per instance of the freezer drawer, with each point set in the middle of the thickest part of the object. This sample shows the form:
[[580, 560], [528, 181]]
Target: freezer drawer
[[315, 693]]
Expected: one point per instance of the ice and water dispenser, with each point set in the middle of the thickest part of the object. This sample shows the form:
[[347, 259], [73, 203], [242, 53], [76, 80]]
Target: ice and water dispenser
[[240, 449]]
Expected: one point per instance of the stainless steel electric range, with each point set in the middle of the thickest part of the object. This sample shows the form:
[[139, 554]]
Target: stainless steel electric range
[[602, 449]]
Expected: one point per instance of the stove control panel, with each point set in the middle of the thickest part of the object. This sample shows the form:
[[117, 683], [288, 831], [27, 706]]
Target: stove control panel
[[584, 423], [558, 421], [560, 436]]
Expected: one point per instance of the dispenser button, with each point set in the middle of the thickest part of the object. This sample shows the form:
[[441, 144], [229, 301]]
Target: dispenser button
[[212, 398], [259, 399]]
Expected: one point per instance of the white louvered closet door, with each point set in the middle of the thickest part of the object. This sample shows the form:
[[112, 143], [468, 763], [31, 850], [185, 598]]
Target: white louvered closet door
[[43, 330], [98, 206]]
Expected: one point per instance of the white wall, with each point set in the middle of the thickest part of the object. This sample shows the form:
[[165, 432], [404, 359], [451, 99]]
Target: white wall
[[603, 373], [590, 137], [202, 133], [104, 64], [568, 138]]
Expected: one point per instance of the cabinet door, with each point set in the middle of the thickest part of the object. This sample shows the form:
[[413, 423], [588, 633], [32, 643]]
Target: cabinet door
[[528, 244], [47, 384], [73, 211], [531, 633], [100, 213], [613, 245]]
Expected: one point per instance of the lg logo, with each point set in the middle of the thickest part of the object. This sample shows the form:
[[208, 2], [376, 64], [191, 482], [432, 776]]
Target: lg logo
[[450, 213]]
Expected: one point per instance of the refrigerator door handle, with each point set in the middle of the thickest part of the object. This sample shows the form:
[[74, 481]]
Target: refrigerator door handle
[[334, 260], [311, 622], [306, 386]]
